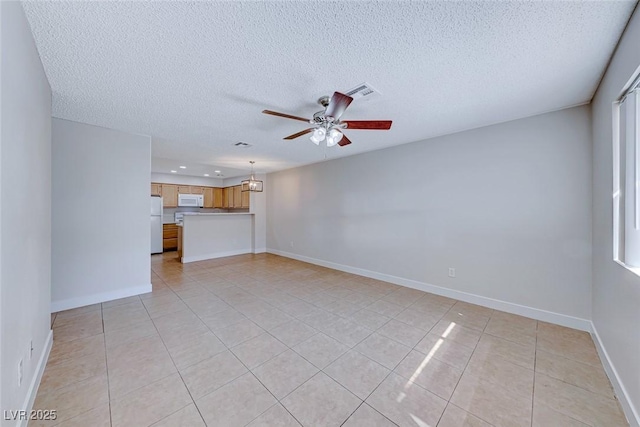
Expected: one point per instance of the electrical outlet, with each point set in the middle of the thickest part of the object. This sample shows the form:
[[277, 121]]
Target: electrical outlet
[[452, 272], [20, 373], [291, 243]]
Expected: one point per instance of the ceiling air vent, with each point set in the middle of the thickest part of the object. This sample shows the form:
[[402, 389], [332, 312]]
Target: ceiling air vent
[[242, 144], [364, 90]]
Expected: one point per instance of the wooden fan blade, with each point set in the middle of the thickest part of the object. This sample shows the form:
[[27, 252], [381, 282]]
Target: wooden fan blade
[[368, 124], [338, 103], [296, 135], [344, 141], [286, 116]]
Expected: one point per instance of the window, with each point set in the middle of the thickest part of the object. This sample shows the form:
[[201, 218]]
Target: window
[[626, 177]]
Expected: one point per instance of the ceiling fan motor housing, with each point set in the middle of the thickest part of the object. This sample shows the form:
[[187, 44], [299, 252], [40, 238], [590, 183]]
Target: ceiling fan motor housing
[[319, 118]]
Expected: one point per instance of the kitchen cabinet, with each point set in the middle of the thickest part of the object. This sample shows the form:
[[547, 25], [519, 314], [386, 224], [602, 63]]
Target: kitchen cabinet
[[214, 197], [218, 198], [169, 193], [208, 197], [184, 189], [169, 244], [228, 197], [245, 199], [169, 237], [156, 189], [237, 196]]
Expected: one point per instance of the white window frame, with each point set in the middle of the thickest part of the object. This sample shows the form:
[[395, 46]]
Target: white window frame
[[626, 177]]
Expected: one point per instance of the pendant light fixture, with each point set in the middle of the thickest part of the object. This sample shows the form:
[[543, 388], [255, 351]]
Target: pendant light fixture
[[252, 184]]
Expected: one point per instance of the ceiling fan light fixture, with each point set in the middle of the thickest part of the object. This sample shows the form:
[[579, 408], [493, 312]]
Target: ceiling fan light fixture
[[334, 137], [318, 135]]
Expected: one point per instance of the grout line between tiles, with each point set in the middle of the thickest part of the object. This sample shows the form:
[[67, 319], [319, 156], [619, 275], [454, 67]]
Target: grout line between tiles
[[106, 363], [535, 361]]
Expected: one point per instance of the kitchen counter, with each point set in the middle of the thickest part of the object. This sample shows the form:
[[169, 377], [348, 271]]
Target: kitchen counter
[[213, 235], [215, 213]]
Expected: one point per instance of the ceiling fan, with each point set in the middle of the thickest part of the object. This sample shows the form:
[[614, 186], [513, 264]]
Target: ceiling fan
[[327, 124]]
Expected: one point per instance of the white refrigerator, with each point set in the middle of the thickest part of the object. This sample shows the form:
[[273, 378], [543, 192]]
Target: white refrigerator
[[156, 224]]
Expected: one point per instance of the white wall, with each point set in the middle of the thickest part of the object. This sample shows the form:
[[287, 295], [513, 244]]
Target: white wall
[[215, 236], [100, 214], [236, 180], [508, 206], [258, 207], [616, 291], [25, 212], [185, 180]]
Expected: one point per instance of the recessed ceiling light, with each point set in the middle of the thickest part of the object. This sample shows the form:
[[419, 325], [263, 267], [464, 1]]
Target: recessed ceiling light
[[183, 167], [206, 174], [174, 171], [217, 171]]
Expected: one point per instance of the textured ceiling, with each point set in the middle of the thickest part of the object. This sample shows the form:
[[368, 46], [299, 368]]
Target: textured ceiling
[[196, 75], [162, 165]]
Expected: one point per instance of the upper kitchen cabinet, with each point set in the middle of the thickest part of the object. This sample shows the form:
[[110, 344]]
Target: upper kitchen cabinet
[[227, 194], [214, 197], [169, 194], [208, 197], [245, 199], [218, 197], [156, 189], [184, 189], [237, 196]]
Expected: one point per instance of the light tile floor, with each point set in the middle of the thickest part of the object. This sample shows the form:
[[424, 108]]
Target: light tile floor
[[261, 340]]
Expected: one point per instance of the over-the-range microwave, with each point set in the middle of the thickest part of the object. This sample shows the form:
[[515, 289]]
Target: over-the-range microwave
[[191, 200]]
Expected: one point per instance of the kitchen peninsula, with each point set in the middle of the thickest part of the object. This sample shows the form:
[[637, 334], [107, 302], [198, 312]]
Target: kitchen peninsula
[[204, 236]]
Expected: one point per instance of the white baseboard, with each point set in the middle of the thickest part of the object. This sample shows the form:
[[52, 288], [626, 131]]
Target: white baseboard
[[628, 407], [35, 382], [509, 307], [70, 303], [215, 255], [260, 250]]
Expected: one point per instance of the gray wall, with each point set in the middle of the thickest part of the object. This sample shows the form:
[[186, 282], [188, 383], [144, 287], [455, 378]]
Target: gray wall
[[101, 214], [616, 291], [508, 206], [25, 211]]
